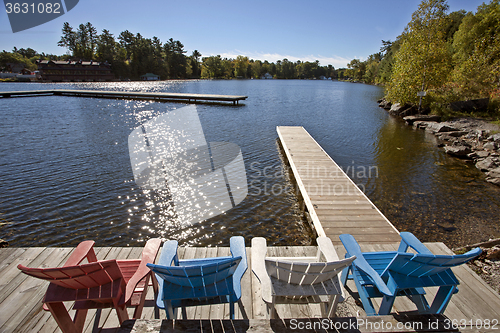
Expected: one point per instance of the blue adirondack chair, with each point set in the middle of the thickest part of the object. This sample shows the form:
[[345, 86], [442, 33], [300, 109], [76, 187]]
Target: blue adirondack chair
[[398, 273], [202, 281]]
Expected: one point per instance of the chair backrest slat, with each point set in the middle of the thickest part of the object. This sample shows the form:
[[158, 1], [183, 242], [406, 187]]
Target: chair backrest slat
[[424, 265], [197, 276], [79, 277], [297, 272]]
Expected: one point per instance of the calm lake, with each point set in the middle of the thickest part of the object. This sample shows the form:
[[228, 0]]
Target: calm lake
[[66, 175]]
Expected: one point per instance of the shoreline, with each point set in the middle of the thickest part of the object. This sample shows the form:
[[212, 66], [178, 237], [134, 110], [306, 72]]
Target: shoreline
[[473, 140]]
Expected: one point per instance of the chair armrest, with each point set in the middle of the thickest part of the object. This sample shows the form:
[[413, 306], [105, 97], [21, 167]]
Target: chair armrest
[[84, 250], [259, 249], [148, 256], [325, 245], [169, 254], [353, 249], [237, 247], [409, 240]]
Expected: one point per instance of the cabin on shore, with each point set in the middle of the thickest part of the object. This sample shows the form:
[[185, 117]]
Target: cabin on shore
[[74, 71], [150, 77]]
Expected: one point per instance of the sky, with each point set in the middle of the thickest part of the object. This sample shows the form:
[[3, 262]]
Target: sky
[[331, 31]]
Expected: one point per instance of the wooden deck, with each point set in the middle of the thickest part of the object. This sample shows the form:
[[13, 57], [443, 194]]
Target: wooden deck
[[335, 204], [21, 296], [190, 98]]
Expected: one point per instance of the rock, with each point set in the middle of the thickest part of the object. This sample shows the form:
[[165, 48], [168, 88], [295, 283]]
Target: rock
[[385, 104], [443, 127], [395, 109], [457, 134], [470, 106], [495, 181], [3, 243], [459, 151], [410, 120], [495, 138], [490, 146], [420, 124], [482, 154], [445, 137], [493, 254], [440, 127], [481, 134], [494, 173], [486, 164]]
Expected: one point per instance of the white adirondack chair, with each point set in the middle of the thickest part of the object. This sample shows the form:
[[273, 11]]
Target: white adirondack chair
[[300, 279]]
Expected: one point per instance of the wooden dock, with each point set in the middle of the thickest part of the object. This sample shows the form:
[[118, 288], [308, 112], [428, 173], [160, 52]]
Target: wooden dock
[[176, 97], [21, 297], [335, 204]]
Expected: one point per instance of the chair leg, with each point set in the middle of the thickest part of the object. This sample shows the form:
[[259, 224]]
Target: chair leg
[[442, 299], [63, 319], [272, 310], [231, 310], [79, 319], [420, 302], [140, 306], [332, 306], [122, 313], [386, 305], [367, 303], [169, 310]]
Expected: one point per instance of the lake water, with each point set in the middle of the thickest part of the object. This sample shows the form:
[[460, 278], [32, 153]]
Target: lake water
[[66, 175]]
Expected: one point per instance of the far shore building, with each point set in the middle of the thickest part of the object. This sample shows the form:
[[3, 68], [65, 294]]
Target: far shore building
[[267, 76], [74, 71], [150, 77]]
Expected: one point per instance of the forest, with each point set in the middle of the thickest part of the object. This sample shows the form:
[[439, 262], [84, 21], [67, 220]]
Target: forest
[[451, 56], [132, 55]]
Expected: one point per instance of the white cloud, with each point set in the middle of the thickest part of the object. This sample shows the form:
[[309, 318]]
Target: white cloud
[[335, 61]]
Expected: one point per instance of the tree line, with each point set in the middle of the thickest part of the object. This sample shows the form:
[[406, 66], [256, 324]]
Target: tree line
[[132, 55], [451, 56]]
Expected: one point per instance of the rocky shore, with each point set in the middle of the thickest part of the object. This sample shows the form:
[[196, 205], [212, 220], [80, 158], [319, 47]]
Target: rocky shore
[[487, 265], [471, 139]]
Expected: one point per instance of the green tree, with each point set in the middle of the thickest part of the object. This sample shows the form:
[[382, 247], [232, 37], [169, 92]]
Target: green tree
[[195, 64], [371, 68], [127, 40], [16, 58], [27, 53], [68, 38], [106, 47], [176, 60], [388, 50], [86, 40], [356, 69], [211, 67], [257, 69], [227, 68], [423, 61], [240, 66], [477, 53]]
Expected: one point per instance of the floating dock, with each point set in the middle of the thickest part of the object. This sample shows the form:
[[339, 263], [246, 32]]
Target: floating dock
[[21, 298], [176, 97], [334, 202]]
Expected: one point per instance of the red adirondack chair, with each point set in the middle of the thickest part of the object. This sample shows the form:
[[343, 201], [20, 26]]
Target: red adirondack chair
[[98, 284]]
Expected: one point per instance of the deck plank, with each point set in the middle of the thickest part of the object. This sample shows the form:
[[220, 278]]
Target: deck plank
[[25, 300]]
